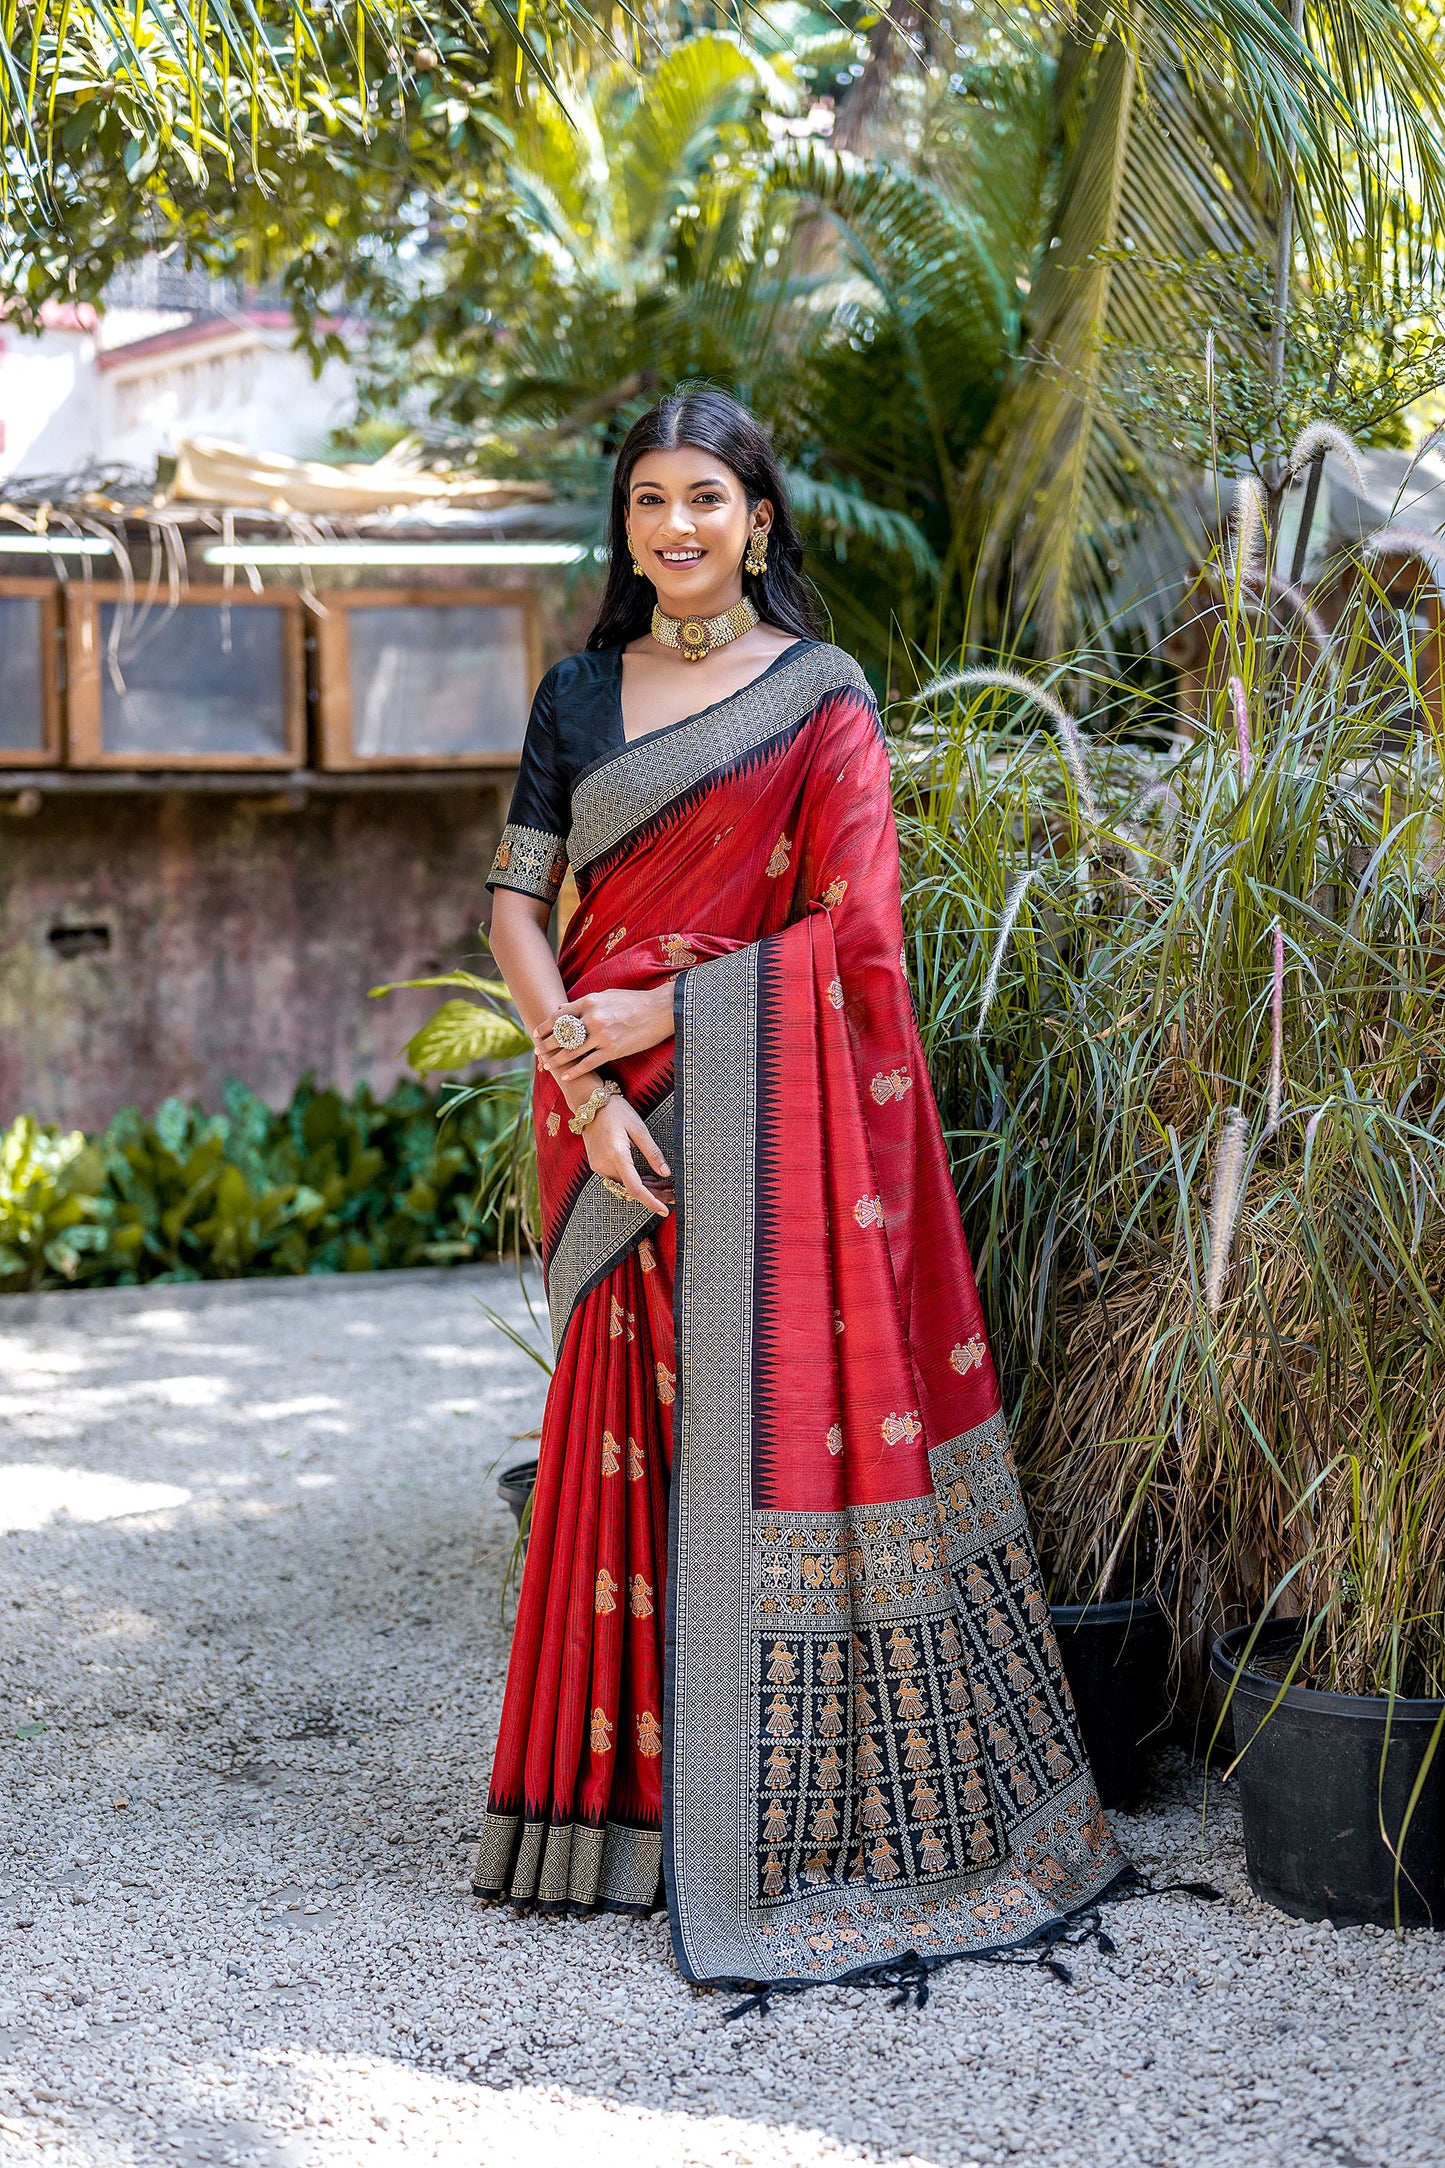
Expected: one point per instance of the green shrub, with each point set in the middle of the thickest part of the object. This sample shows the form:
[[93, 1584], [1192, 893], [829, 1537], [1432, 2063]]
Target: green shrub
[[54, 1215], [329, 1185]]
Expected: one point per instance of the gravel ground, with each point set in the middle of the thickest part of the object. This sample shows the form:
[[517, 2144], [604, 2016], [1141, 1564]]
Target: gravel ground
[[251, 1659]]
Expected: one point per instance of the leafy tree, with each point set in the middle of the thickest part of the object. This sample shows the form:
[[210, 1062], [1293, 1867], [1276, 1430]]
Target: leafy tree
[[300, 168], [682, 235], [1356, 355], [1170, 141]]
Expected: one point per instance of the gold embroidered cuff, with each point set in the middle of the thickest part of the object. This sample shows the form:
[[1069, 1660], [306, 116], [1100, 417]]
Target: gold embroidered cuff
[[531, 861]]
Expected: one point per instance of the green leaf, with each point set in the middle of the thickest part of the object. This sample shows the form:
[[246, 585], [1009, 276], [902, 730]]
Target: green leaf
[[494, 987], [460, 1033]]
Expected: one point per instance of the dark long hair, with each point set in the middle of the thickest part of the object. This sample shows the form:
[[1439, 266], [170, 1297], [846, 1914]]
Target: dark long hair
[[714, 423]]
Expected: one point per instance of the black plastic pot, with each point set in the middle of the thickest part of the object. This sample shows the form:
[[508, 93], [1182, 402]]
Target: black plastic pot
[[1313, 1798], [1116, 1660], [515, 1485]]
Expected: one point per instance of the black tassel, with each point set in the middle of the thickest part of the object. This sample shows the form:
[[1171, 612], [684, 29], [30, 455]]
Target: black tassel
[[761, 1998], [1135, 1884]]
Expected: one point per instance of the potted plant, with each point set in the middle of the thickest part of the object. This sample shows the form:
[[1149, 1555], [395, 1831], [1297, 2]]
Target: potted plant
[[1182, 1006], [1343, 1795], [1338, 1715]]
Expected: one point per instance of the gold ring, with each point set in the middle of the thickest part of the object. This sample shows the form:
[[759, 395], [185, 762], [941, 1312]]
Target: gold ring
[[569, 1031], [614, 1187]]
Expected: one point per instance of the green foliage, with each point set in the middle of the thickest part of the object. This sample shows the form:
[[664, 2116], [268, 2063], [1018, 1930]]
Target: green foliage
[[804, 279], [288, 131], [1162, 148], [461, 1032], [302, 172], [1356, 355], [329, 1185], [1149, 160], [52, 1217]]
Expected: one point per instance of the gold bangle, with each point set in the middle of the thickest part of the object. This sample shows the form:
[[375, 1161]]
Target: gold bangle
[[609, 1088]]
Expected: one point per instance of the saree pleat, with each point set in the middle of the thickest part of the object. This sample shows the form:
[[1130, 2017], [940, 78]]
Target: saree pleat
[[798, 1675], [574, 1812]]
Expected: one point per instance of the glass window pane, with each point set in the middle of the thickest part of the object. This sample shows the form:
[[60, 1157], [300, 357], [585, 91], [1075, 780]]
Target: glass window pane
[[438, 678], [202, 678], [22, 705]]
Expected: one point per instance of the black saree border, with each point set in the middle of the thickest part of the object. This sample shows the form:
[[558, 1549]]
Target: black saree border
[[537, 1863], [1040, 1848], [625, 793], [733, 1136], [598, 1231]]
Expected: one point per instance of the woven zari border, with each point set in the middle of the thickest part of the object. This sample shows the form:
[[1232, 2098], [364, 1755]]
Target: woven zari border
[[600, 1229], [531, 861], [620, 794], [558, 1866], [870, 1746]]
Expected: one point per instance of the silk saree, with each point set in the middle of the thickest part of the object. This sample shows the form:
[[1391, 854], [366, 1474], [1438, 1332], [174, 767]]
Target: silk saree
[[782, 1657]]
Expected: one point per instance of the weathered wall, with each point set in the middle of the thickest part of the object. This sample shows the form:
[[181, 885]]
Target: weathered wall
[[242, 940]]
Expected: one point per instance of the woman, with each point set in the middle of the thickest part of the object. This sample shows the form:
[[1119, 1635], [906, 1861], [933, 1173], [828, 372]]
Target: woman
[[781, 1652]]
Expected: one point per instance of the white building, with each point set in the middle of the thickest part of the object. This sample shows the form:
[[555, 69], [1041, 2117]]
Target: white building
[[169, 356]]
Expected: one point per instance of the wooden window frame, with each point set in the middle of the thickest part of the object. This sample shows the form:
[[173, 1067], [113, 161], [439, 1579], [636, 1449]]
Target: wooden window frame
[[85, 662], [333, 671], [47, 594]]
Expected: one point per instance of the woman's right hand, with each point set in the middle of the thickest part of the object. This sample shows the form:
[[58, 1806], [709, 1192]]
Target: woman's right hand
[[608, 1140]]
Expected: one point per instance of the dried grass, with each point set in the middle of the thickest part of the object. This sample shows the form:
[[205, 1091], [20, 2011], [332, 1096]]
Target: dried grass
[[1268, 1428]]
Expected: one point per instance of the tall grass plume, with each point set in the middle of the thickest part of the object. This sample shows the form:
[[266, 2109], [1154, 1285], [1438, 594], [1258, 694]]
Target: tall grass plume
[[1241, 729], [1011, 909], [1276, 1031], [1014, 681], [1246, 530], [1318, 437], [1224, 1205]]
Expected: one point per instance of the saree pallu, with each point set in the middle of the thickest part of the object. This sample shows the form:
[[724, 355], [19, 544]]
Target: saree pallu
[[782, 1654]]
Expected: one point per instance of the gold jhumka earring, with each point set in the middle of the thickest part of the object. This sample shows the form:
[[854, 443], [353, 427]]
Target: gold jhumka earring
[[756, 560]]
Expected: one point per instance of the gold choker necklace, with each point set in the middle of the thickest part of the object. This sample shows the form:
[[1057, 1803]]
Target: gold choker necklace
[[695, 637]]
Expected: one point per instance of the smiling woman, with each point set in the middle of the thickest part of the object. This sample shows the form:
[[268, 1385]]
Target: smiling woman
[[782, 1655]]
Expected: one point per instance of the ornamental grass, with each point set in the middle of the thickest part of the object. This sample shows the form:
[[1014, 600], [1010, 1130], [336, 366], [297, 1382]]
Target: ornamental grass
[[1187, 1029]]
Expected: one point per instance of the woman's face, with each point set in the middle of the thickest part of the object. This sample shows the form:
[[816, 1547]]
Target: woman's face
[[688, 523]]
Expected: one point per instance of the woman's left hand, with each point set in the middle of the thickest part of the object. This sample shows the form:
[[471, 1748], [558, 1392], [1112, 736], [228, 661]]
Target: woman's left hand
[[619, 1021]]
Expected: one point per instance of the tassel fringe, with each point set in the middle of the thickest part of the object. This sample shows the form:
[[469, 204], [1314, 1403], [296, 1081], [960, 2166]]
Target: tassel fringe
[[910, 1973]]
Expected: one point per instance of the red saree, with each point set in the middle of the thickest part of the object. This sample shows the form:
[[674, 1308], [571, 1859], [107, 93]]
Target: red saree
[[782, 1654]]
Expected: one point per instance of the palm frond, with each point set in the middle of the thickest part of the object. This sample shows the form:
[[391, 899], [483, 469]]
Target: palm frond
[[842, 516], [689, 96], [1147, 174]]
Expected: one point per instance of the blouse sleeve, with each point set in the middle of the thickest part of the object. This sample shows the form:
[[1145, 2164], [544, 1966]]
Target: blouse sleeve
[[532, 855]]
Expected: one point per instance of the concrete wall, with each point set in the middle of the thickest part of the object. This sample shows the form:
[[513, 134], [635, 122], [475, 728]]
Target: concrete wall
[[49, 395], [124, 386], [241, 939], [243, 381]]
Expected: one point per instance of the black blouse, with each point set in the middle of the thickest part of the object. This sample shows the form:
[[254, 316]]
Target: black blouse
[[576, 721]]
